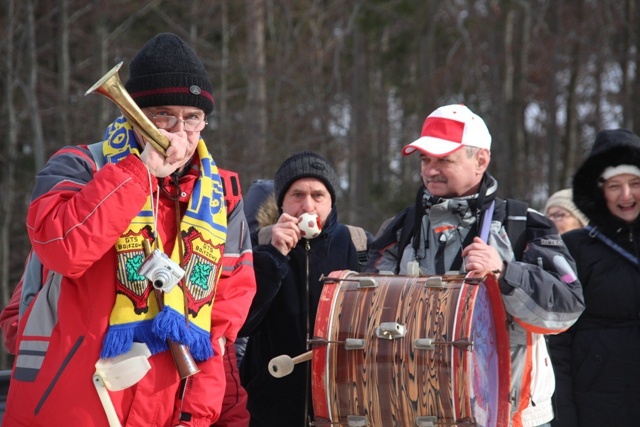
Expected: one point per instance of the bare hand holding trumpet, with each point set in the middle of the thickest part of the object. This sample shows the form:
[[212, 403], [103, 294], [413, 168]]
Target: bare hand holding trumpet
[[176, 156]]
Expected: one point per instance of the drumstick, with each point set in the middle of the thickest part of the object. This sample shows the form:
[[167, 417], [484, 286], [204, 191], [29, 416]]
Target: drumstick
[[282, 365], [303, 357]]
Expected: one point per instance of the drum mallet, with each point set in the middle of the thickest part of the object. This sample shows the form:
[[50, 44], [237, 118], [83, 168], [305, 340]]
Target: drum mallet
[[282, 365]]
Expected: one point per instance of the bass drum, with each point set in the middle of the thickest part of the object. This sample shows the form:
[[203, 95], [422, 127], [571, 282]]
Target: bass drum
[[410, 351]]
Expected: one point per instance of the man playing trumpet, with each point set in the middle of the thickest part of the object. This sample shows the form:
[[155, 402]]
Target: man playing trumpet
[[94, 210]]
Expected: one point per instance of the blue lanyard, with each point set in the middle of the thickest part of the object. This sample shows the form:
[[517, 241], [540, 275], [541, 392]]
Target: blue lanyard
[[593, 232]]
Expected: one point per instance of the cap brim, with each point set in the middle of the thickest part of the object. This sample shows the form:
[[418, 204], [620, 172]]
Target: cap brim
[[430, 146]]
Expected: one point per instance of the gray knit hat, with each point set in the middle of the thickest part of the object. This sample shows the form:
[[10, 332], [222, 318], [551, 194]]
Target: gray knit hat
[[564, 199], [305, 164], [167, 71]]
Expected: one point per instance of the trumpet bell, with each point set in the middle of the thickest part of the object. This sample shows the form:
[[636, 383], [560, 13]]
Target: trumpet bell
[[111, 87]]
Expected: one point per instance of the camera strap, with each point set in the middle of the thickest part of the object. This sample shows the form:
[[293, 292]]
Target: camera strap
[[181, 263]]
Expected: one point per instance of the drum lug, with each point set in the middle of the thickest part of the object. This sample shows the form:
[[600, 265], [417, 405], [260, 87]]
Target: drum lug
[[434, 282], [356, 421], [424, 344], [429, 421], [391, 330], [363, 282], [354, 344], [367, 282]]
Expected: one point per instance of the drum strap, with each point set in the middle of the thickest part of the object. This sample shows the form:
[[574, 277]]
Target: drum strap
[[484, 235]]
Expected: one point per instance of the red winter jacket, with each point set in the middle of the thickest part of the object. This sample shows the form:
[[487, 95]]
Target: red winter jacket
[[76, 215]]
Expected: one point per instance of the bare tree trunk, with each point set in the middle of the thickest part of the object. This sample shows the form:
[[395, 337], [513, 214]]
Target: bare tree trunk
[[572, 134], [256, 109], [508, 153], [100, 59], [8, 163], [31, 90], [523, 154], [360, 176], [627, 89], [552, 148], [221, 100], [571, 128], [635, 111], [64, 71]]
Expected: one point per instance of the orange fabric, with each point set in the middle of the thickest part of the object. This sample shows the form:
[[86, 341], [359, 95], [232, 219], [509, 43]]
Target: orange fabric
[[525, 394]]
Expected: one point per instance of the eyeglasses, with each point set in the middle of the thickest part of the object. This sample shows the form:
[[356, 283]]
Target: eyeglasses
[[165, 121], [558, 216]]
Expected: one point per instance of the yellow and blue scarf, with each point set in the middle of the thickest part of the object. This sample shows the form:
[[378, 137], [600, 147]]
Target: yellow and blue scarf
[[135, 316]]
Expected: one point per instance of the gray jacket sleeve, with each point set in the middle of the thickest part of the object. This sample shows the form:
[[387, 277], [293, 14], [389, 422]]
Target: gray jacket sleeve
[[542, 291]]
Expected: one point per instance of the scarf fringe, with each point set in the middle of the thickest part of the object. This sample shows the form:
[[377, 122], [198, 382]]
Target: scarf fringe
[[200, 347], [119, 339], [170, 324]]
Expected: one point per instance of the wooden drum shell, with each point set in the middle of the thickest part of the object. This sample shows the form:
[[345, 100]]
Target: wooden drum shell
[[464, 379]]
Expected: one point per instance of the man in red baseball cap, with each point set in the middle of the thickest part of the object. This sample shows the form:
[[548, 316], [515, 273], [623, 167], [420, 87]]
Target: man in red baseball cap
[[458, 224], [454, 151]]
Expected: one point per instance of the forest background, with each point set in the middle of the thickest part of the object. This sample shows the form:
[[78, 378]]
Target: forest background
[[351, 79]]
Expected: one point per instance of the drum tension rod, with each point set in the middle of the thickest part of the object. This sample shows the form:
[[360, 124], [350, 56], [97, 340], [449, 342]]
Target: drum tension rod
[[430, 344], [421, 421], [349, 343], [432, 421], [352, 421], [323, 423]]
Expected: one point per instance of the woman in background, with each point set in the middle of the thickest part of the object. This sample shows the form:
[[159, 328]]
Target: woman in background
[[563, 212], [596, 360]]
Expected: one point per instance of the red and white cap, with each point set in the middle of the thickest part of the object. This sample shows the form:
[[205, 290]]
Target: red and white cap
[[448, 129]]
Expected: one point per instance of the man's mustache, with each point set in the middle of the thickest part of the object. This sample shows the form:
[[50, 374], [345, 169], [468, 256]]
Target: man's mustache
[[438, 178]]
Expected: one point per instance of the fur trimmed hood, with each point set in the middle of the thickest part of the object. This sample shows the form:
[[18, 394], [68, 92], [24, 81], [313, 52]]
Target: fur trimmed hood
[[612, 147], [267, 212]]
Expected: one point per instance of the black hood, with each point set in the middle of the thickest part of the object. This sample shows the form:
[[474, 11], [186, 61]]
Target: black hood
[[612, 147]]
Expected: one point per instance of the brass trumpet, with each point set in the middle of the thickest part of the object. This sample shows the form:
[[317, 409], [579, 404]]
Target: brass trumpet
[[111, 87]]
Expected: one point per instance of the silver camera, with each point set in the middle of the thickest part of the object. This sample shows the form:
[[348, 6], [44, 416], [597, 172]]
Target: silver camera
[[163, 273]]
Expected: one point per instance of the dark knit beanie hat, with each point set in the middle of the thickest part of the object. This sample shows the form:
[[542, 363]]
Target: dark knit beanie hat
[[305, 164], [167, 71]]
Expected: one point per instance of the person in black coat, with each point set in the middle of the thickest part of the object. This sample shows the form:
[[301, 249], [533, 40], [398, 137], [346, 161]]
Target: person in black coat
[[288, 268], [596, 360]]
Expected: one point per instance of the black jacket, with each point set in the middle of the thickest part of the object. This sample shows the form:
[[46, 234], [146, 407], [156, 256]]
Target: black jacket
[[596, 360], [277, 321]]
